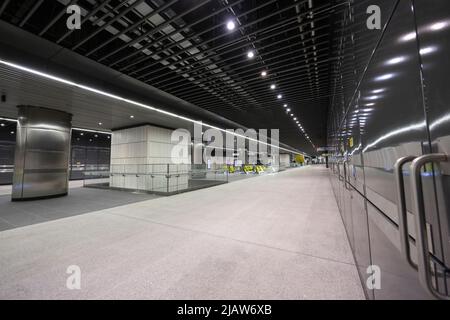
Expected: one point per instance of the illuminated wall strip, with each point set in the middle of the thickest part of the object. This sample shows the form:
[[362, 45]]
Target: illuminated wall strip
[[135, 103]]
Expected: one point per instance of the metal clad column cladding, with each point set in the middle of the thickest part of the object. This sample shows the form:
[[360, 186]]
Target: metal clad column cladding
[[41, 164]]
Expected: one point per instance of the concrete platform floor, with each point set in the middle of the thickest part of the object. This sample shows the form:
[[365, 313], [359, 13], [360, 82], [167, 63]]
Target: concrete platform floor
[[272, 237], [79, 201]]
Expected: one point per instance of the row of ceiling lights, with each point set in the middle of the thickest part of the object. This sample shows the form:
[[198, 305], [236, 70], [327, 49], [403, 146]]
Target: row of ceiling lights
[[231, 25]]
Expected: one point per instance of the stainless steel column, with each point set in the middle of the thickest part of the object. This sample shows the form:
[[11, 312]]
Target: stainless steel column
[[41, 164]]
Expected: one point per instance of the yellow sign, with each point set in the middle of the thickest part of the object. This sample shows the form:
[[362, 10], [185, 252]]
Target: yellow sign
[[299, 158], [350, 142]]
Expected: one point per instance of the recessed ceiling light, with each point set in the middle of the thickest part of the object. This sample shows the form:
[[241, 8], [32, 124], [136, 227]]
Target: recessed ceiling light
[[132, 117], [272, 86], [263, 73], [231, 25], [96, 135], [12, 132], [295, 118], [279, 96], [82, 134], [288, 110], [100, 123], [250, 54], [285, 105], [2, 124]]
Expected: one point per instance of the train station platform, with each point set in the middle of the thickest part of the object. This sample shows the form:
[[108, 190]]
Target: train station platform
[[276, 236]]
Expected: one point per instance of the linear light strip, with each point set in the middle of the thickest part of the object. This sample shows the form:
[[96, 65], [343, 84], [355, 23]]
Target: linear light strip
[[116, 97], [73, 128]]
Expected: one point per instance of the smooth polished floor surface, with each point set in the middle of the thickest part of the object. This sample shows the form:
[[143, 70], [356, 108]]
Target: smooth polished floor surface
[[276, 236]]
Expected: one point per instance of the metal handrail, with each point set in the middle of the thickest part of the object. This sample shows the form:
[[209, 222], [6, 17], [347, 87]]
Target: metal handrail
[[402, 213], [424, 268]]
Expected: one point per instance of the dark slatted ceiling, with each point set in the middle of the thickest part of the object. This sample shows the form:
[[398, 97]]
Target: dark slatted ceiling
[[185, 48]]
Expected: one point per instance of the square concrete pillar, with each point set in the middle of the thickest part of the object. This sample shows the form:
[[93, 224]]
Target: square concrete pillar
[[141, 159]]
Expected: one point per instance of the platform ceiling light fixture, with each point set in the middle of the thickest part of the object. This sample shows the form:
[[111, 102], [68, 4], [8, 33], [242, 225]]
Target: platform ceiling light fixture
[[131, 117], [231, 25], [263, 73], [90, 130], [272, 86], [288, 109], [100, 124], [279, 96], [250, 54], [132, 102], [285, 105]]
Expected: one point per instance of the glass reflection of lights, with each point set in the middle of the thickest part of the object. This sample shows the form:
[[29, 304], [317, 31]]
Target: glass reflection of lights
[[378, 91], [439, 25], [440, 121], [427, 50], [383, 77], [406, 129], [396, 60], [408, 37]]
